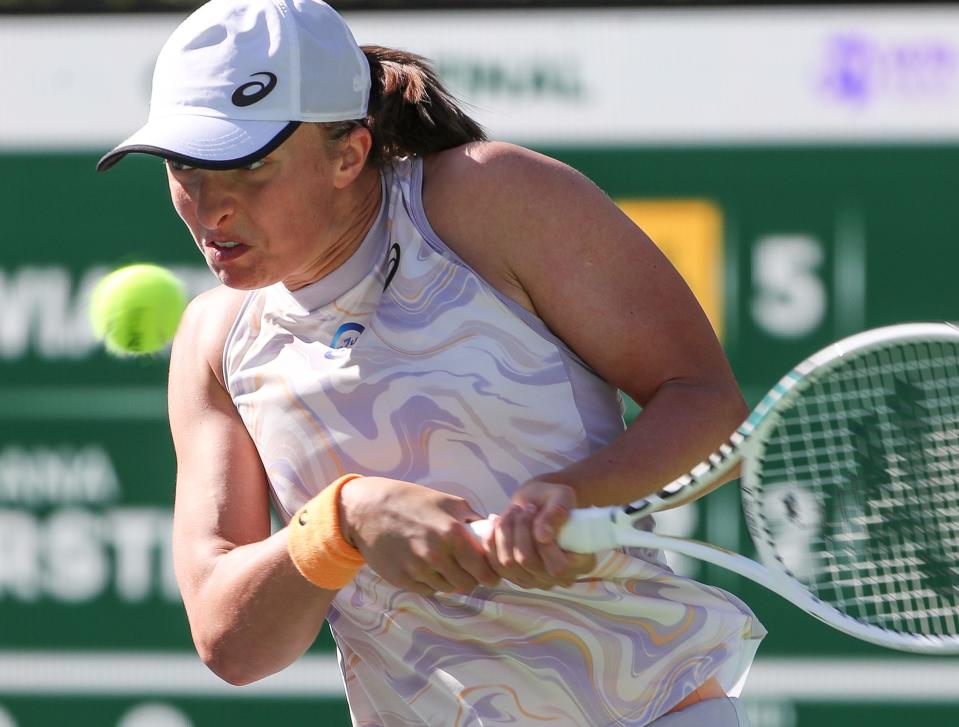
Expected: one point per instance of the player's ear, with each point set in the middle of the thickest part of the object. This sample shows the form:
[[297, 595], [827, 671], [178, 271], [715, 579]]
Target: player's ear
[[352, 152]]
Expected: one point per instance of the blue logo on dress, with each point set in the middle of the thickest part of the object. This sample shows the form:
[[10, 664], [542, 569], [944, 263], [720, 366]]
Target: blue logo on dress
[[347, 335]]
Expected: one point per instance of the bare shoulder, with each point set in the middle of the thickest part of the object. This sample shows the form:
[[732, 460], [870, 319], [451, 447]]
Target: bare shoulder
[[568, 253], [493, 193], [496, 171], [480, 155], [493, 202], [203, 331]]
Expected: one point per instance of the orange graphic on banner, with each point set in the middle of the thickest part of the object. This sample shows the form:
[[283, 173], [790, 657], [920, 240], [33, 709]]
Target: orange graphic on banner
[[690, 234]]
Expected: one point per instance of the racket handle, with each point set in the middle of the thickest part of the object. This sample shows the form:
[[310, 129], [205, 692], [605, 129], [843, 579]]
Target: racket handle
[[588, 530], [482, 528]]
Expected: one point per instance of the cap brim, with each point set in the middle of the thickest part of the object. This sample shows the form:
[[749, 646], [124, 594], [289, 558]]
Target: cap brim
[[205, 142]]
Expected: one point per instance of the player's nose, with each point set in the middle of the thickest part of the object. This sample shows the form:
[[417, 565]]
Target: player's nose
[[214, 199]]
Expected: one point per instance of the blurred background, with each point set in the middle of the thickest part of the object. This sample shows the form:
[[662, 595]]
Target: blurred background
[[798, 163]]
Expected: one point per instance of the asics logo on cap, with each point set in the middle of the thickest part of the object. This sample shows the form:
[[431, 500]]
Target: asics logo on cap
[[251, 92]]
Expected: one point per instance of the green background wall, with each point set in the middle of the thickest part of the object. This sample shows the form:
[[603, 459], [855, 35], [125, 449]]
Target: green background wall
[[817, 242]]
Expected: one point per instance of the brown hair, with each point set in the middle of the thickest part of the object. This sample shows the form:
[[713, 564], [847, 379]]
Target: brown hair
[[410, 111]]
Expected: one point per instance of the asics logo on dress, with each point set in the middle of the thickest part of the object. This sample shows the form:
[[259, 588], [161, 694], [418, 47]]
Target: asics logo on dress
[[392, 263], [252, 91]]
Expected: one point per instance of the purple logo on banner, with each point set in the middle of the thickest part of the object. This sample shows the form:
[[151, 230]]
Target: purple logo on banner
[[859, 69]]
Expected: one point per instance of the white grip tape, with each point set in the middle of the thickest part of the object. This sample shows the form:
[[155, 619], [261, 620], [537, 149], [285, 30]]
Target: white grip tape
[[482, 528], [588, 530]]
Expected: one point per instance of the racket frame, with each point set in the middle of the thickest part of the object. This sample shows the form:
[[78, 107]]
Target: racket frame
[[591, 530]]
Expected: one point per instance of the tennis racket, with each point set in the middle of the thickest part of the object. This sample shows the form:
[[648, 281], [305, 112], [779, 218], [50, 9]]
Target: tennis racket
[[850, 490]]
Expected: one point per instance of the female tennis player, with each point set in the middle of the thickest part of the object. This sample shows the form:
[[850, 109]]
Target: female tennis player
[[418, 328]]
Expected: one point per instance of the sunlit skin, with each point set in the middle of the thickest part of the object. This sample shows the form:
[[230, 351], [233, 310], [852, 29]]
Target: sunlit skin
[[523, 222], [297, 214]]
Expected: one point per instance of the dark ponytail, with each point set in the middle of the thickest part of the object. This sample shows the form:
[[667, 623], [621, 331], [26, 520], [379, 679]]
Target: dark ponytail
[[410, 112]]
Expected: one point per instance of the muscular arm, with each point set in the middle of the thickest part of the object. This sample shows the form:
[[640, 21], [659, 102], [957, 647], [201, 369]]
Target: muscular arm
[[550, 239], [553, 241], [251, 613]]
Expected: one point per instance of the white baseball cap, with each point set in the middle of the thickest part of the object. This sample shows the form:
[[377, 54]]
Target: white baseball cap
[[236, 78]]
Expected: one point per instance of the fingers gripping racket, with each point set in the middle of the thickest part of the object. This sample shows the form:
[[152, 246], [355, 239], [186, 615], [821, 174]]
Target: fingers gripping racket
[[850, 490]]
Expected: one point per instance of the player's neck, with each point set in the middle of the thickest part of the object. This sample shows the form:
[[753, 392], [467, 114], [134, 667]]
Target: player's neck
[[356, 212]]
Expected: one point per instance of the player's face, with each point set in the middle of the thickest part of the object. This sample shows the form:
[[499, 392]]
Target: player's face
[[285, 218]]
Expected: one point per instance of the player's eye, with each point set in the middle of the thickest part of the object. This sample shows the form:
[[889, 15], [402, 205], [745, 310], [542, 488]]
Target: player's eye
[[253, 166], [179, 166]]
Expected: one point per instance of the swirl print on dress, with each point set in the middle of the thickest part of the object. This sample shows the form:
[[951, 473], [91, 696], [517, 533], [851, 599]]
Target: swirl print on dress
[[447, 383]]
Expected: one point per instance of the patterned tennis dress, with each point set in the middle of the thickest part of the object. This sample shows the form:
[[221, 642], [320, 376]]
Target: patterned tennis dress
[[405, 363]]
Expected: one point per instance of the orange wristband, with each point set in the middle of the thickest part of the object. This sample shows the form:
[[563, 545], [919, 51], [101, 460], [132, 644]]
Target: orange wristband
[[316, 544]]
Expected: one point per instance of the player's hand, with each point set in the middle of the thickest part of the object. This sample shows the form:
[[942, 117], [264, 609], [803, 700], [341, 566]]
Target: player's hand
[[416, 538], [522, 545]]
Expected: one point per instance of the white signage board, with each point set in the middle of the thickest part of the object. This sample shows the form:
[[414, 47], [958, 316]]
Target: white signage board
[[604, 76]]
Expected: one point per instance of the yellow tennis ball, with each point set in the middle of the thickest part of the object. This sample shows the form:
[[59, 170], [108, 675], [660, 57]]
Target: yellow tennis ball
[[135, 309]]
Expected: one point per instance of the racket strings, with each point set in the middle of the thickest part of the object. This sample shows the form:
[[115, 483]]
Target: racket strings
[[860, 488]]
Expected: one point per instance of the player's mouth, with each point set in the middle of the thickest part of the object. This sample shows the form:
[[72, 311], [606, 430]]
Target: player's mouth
[[226, 250]]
